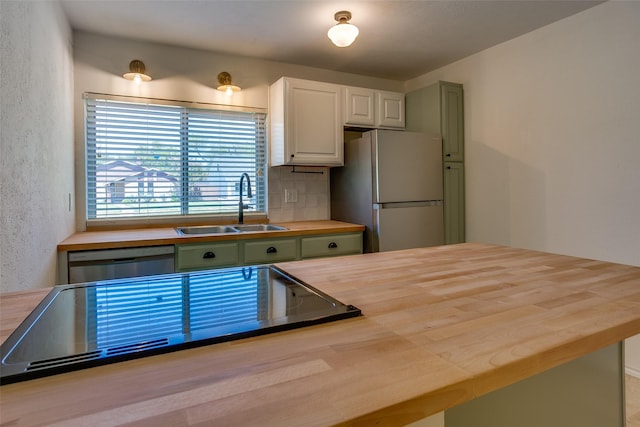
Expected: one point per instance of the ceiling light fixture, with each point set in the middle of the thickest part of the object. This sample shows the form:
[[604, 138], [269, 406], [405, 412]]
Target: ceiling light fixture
[[137, 72], [226, 86], [343, 33]]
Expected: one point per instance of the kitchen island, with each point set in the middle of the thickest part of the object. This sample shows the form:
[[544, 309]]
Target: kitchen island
[[441, 327]]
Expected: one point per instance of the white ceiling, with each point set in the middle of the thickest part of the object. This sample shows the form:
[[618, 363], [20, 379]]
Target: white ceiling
[[398, 39]]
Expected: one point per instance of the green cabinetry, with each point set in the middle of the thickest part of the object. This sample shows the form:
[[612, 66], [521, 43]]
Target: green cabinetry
[[199, 256], [454, 202], [332, 245], [452, 121], [264, 251], [439, 108]]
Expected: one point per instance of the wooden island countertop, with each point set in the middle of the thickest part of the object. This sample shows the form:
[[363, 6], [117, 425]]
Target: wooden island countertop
[[441, 326]]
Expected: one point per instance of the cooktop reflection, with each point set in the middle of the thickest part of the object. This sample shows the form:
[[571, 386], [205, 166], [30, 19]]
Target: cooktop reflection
[[89, 324]]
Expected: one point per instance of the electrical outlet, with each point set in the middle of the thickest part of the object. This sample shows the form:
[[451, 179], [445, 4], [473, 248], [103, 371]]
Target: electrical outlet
[[290, 196]]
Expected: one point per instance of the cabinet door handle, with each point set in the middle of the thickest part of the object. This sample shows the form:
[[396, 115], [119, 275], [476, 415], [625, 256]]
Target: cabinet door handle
[[448, 167], [271, 250], [208, 255], [332, 245], [448, 154]]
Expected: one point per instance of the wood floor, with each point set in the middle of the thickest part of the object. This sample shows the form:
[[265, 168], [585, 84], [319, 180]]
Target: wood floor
[[633, 401]]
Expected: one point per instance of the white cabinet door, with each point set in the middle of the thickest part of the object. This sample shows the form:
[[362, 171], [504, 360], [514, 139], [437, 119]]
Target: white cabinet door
[[373, 109], [389, 110], [306, 123], [359, 106]]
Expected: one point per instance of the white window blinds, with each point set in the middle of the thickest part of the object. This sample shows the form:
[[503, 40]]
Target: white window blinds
[[153, 160]]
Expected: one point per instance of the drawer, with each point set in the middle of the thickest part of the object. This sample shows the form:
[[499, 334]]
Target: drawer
[[334, 245], [206, 255], [268, 251]]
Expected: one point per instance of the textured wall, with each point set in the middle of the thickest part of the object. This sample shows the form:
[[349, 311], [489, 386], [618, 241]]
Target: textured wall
[[36, 137]]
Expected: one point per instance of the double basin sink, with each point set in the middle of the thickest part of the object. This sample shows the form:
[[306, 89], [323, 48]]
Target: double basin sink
[[226, 229]]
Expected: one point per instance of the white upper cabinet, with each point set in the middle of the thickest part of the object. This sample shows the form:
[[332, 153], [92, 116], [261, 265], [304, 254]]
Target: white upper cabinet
[[306, 123], [359, 106], [373, 109], [390, 109]]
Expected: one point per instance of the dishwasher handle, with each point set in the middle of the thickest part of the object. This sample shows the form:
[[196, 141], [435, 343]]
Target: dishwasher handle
[[121, 253]]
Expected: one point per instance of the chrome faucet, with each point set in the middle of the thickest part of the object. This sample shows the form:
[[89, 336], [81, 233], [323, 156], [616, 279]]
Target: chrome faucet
[[241, 204]]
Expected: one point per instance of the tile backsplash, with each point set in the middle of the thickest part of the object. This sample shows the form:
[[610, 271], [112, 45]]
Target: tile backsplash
[[300, 196]]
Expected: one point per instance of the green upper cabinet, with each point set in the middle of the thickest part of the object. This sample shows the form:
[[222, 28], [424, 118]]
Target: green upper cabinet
[[452, 122], [439, 108]]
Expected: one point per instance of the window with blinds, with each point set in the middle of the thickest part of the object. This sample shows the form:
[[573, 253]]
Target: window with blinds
[[146, 159]]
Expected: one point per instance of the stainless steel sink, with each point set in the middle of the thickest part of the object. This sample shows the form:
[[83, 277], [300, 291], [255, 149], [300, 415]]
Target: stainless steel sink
[[225, 229], [206, 229], [258, 227]]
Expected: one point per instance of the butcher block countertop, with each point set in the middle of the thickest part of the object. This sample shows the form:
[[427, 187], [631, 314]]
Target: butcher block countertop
[[441, 326], [89, 240]]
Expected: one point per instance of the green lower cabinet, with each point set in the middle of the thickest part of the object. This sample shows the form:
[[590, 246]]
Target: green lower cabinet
[[202, 256], [334, 245], [454, 202], [199, 256], [265, 251]]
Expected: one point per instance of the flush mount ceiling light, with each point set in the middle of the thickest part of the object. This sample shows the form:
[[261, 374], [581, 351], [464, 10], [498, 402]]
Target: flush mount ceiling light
[[343, 33], [226, 86], [137, 72]]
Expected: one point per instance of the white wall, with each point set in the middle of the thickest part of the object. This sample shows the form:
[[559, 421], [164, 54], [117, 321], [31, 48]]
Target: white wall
[[36, 136], [191, 75], [552, 122]]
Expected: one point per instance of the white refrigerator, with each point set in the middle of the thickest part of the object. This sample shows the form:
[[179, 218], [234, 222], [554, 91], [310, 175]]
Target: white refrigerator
[[391, 182]]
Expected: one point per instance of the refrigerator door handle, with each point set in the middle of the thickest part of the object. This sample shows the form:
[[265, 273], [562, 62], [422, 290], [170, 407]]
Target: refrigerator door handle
[[422, 203]]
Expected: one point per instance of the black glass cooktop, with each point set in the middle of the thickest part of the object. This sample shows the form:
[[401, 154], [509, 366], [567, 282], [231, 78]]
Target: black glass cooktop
[[89, 324]]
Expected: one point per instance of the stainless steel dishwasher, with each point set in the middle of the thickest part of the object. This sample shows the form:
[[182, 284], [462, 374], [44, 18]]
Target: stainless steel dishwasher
[[89, 266]]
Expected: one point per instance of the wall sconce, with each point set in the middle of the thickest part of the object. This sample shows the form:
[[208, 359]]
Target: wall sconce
[[343, 33], [137, 72], [226, 86]]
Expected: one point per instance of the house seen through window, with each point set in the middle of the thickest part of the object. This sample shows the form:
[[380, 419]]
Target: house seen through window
[[146, 159]]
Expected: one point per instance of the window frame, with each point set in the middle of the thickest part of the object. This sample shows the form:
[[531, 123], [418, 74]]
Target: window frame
[[177, 219]]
